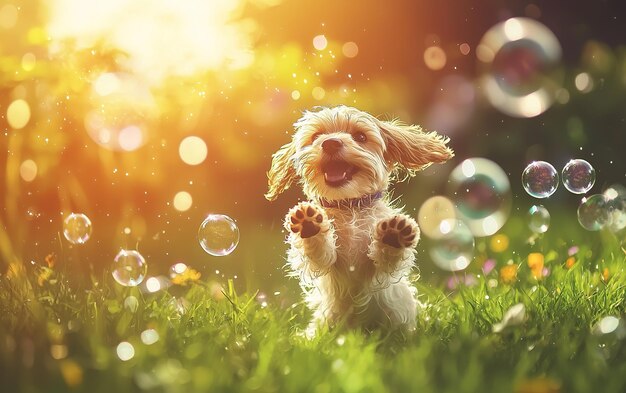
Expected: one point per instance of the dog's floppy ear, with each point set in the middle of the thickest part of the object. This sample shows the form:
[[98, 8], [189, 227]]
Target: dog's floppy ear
[[412, 149], [282, 172]]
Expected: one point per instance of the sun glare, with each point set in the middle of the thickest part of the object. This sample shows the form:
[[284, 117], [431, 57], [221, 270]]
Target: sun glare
[[161, 37]]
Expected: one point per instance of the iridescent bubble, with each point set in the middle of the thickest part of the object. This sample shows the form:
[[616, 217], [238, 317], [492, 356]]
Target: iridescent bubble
[[433, 211], [453, 249], [578, 176], [77, 228], [129, 268], [520, 57], [593, 212], [481, 193], [616, 207], [538, 219], [218, 235], [540, 179]]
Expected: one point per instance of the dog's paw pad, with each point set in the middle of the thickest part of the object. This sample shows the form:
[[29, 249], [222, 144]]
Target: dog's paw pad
[[306, 220], [398, 232]]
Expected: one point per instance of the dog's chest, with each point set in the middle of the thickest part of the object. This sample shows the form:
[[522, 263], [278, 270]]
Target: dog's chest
[[354, 230]]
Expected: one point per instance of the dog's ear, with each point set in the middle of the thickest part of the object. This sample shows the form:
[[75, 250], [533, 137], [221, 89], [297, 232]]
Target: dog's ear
[[410, 148], [282, 172]]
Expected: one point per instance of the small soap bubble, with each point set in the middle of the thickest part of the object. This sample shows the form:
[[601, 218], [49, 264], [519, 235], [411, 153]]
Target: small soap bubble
[[218, 235], [540, 179], [538, 219], [453, 248], [593, 212], [77, 228], [129, 268], [578, 176], [481, 193]]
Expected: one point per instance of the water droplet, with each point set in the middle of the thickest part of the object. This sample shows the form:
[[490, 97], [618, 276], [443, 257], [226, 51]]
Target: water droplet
[[538, 219], [453, 248], [218, 235], [481, 193], [77, 228], [578, 176], [540, 179], [129, 268], [593, 212]]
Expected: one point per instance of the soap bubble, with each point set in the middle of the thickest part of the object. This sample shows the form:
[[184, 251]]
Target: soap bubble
[[593, 212], [453, 248], [540, 179], [77, 228], [519, 58], [616, 207], [578, 176], [218, 235], [129, 268], [482, 195], [538, 219], [433, 211]]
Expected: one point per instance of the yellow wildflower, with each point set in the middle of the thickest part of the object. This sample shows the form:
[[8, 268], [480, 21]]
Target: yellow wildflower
[[508, 274], [72, 373], [186, 276], [535, 263]]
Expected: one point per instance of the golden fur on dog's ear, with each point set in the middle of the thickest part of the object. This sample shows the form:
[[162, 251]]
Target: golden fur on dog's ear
[[412, 149], [282, 172]]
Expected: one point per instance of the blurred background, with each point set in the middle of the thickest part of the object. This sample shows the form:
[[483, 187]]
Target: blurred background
[[147, 116]]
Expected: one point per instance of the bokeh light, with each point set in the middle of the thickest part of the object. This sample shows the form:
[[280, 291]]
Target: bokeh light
[[182, 201], [435, 58], [519, 58], [350, 49], [129, 268], [192, 150], [538, 219], [540, 179], [28, 170], [578, 176], [149, 336], [18, 114], [320, 42], [218, 235], [453, 248], [434, 210], [77, 228], [125, 351], [481, 193]]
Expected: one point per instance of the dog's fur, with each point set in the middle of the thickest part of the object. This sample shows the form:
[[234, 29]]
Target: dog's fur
[[350, 248]]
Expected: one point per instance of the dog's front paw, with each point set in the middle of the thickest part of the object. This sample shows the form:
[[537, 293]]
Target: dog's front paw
[[307, 220], [400, 231]]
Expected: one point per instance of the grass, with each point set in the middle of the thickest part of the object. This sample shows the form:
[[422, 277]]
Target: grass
[[60, 333]]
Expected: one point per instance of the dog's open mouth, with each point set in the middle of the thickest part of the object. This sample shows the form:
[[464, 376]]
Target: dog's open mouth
[[338, 172]]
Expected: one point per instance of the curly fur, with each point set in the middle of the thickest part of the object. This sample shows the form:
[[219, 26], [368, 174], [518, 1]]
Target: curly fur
[[353, 259]]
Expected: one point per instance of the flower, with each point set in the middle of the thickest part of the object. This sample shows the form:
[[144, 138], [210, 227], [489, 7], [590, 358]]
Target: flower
[[488, 266], [51, 260], [535, 263], [186, 276], [508, 274], [569, 263], [605, 274], [572, 250]]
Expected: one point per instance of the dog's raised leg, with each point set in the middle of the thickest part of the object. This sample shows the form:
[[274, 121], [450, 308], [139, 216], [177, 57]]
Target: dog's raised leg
[[394, 236], [312, 236]]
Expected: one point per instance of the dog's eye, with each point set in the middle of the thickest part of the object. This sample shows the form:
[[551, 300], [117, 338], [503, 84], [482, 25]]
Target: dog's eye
[[359, 137]]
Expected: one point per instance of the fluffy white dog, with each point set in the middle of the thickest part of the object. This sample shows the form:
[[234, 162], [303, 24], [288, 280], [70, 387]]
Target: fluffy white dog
[[352, 249]]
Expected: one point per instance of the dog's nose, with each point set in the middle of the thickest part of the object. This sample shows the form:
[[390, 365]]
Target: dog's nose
[[332, 145]]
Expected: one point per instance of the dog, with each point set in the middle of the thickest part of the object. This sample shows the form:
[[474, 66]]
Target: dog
[[350, 247]]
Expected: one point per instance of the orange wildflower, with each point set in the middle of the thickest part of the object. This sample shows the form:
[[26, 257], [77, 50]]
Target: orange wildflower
[[605, 274], [535, 263], [569, 263], [51, 260], [508, 274]]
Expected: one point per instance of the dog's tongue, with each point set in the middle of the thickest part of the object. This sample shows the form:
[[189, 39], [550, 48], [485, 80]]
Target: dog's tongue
[[336, 171]]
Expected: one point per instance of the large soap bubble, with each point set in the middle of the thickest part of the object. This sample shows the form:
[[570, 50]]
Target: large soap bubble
[[519, 57], [481, 193], [453, 248]]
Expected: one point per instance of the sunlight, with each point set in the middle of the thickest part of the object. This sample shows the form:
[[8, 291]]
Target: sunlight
[[162, 38]]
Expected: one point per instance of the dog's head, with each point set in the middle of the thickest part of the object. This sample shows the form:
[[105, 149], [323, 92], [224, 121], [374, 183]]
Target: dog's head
[[342, 152]]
